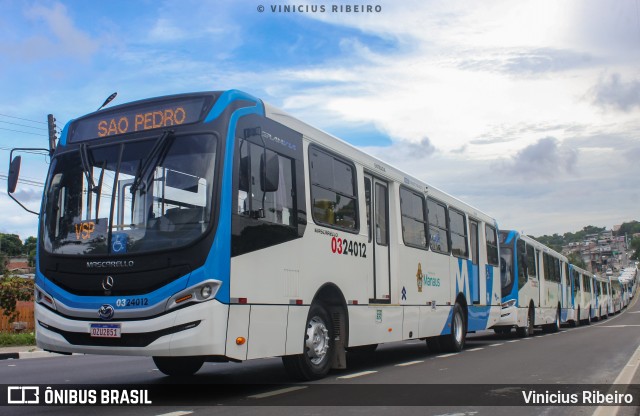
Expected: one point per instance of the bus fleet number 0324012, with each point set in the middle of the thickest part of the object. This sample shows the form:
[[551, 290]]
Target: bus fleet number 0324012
[[348, 247], [125, 303]]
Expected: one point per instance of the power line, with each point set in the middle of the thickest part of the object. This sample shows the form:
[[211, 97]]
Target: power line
[[22, 125], [24, 119], [25, 132], [25, 181]]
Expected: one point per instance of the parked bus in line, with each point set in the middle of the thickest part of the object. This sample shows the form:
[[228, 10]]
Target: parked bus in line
[[581, 295], [534, 285], [603, 306], [215, 227]]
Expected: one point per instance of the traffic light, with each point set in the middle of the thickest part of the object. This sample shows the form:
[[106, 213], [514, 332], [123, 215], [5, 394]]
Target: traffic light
[[51, 122]]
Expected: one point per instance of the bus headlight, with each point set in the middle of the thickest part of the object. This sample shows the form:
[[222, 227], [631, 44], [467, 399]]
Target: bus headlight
[[206, 291], [44, 298], [198, 293], [508, 304]]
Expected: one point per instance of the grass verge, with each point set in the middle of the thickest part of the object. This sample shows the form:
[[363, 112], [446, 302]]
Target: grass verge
[[15, 339]]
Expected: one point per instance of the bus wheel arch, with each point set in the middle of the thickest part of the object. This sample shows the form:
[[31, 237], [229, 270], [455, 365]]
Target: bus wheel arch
[[324, 337], [455, 340]]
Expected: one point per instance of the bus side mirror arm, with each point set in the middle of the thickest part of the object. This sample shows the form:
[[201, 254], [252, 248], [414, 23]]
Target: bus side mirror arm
[[14, 174]]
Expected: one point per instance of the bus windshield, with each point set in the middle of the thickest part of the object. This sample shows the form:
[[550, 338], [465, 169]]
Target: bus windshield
[[506, 268], [130, 197]]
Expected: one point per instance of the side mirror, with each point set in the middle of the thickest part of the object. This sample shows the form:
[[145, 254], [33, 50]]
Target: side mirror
[[269, 171], [14, 173]]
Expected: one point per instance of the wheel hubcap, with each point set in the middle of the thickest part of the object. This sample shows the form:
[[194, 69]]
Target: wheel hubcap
[[317, 341], [458, 328]]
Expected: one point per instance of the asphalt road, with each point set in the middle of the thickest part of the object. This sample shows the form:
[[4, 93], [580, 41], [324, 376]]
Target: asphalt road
[[394, 378]]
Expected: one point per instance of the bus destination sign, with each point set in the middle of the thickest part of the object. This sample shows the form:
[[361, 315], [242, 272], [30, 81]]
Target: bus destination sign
[[141, 117]]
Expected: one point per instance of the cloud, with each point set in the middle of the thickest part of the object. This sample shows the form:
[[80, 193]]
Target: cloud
[[58, 38], [612, 92], [28, 195], [543, 159], [531, 62]]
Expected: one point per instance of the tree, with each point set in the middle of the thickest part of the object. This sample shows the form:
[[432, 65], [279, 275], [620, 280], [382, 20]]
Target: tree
[[635, 246], [10, 244], [576, 259], [29, 249], [12, 290], [629, 228]]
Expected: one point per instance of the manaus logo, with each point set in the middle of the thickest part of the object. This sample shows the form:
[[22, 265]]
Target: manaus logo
[[424, 280]]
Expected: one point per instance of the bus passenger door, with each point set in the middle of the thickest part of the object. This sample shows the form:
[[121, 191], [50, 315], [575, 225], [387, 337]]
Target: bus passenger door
[[378, 205], [474, 273]]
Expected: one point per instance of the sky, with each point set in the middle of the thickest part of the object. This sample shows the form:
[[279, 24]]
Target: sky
[[527, 110]]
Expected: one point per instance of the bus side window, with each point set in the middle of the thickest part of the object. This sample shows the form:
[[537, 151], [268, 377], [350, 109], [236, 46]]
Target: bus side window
[[522, 264], [492, 245]]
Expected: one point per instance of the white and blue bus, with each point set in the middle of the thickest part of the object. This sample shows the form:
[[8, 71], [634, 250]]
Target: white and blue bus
[[582, 297], [534, 285], [214, 227], [603, 306]]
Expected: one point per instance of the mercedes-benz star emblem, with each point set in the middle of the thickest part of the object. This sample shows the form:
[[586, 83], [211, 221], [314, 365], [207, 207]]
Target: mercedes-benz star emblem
[[106, 312], [107, 283]]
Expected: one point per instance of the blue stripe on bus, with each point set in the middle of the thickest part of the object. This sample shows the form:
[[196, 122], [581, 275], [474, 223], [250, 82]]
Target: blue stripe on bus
[[510, 236], [218, 263], [227, 98], [62, 141]]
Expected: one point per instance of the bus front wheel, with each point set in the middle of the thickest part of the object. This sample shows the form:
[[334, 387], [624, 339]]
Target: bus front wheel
[[318, 347], [178, 366], [527, 331]]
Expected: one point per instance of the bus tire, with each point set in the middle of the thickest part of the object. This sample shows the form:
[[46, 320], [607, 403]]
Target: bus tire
[[454, 341], [318, 346], [589, 317], [527, 331], [178, 366], [555, 327], [578, 317]]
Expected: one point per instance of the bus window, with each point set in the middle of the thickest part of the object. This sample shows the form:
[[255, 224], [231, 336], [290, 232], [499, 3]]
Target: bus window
[[522, 264], [414, 225], [367, 197], [492, 245], [382, 230], [333, 191], [474, 241], [458, 234], [531, 261], [438, 233]]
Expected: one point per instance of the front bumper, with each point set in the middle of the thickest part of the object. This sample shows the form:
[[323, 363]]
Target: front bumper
[[198, 329]]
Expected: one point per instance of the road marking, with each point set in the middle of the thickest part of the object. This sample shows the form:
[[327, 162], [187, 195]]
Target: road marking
[[11, 365], [475, 349], [496, 345], [446, 355], [635, 312], [514, 340], [364, 373], [409, 363], [177, 413], [276, 392], [615, 326], [625, 377]]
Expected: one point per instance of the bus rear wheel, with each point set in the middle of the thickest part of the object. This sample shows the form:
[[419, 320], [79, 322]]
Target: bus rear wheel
[[454, 342], [178, 366], [318, 348]]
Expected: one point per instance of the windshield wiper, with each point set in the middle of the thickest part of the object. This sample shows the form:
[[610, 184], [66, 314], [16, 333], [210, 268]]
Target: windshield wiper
[[146, 167], [86, 166]]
